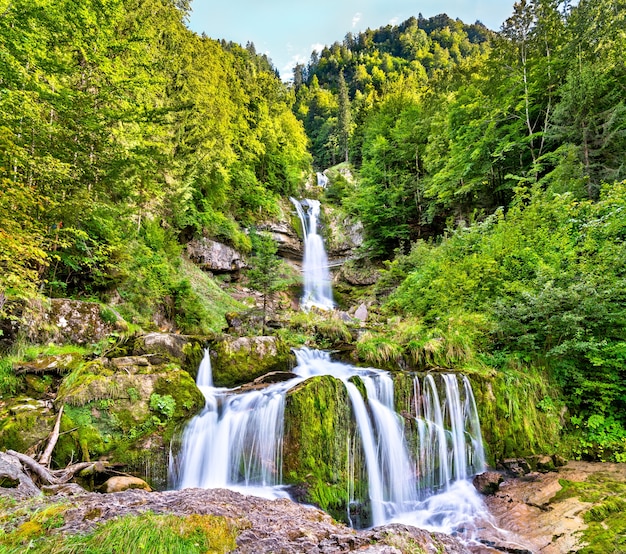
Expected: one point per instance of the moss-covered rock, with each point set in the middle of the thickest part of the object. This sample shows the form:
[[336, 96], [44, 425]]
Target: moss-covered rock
[[125, 410], [186, 351], [318, 433], [241, 360], [519, 414], [25, 422], [61, 320]]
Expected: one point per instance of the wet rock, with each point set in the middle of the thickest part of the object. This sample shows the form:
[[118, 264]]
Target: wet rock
[[241, 360], [530, 515], [515, 467], [488, 482], [214, 256], [121, 483], [264, 525]]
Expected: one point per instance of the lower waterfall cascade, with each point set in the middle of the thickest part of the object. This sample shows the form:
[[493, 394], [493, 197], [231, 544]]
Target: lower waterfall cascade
[[417, 464]]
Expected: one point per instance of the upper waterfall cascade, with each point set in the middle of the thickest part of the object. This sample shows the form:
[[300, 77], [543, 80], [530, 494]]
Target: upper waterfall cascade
[[237, 441], [316, 275]]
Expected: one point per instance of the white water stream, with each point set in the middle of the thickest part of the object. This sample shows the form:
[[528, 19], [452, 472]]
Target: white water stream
[[315, 272], [236, 442]]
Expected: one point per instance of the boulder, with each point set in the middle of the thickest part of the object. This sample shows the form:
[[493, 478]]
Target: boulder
[[241, 360], [516, 467], [541, 463], [214, 256], [121, 483], [61, 320], [361, 313], [183, 350], [488, 483]]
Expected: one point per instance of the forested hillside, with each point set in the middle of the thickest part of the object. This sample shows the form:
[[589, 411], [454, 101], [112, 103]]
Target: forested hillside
[[494, 165], [123, 135], [489, 176]]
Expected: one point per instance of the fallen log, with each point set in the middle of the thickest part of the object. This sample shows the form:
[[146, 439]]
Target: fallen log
[[45, 458]]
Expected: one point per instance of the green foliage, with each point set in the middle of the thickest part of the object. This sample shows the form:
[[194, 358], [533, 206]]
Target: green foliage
[[164, 405], [123, 136], [542, 284]]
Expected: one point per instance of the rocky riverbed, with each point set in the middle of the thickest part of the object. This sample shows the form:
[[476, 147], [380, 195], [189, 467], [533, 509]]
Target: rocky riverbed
[[542, 513]]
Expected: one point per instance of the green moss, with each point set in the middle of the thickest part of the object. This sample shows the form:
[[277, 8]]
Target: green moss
[[24, 422], [243, 360], [317, 438], [605, 518], [182, 389], [516, 417], [194, 352], [113, 415]]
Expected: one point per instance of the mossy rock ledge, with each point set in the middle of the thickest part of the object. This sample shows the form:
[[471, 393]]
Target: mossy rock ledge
[[184, 350], [236, 361], [125, 410], [318, 431]]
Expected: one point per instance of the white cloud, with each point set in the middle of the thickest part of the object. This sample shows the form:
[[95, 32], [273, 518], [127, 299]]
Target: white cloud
[[356, 18], [318, 47], [394, 21]]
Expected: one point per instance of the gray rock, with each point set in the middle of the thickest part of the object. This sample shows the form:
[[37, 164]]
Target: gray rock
[[265, 525], [488, 482], [13, 480], [214, 256], [62, 320], [361, 312], [289, 244]]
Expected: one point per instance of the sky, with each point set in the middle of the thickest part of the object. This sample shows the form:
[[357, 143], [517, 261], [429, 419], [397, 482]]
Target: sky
[[289, 30]]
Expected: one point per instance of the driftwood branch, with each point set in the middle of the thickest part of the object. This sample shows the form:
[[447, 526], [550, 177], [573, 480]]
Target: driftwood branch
[[57, 476], [35, 467], [44, 459]]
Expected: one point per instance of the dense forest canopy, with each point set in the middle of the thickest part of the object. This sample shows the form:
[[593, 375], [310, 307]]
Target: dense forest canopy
[[489, 177], [124, 134]]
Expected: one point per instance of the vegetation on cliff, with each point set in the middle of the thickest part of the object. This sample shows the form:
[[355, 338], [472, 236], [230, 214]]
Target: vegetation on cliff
[[489, 180]]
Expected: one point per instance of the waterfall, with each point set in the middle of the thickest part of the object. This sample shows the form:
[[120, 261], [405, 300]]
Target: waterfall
[[317, 288], [322, 180], [237, 440]]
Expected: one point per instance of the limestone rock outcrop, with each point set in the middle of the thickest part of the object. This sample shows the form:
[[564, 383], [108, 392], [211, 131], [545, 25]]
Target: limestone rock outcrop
[[214, 256]]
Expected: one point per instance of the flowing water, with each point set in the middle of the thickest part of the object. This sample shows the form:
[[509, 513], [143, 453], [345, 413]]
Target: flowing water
[[416, 465], [416, 473], [315, 272]]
